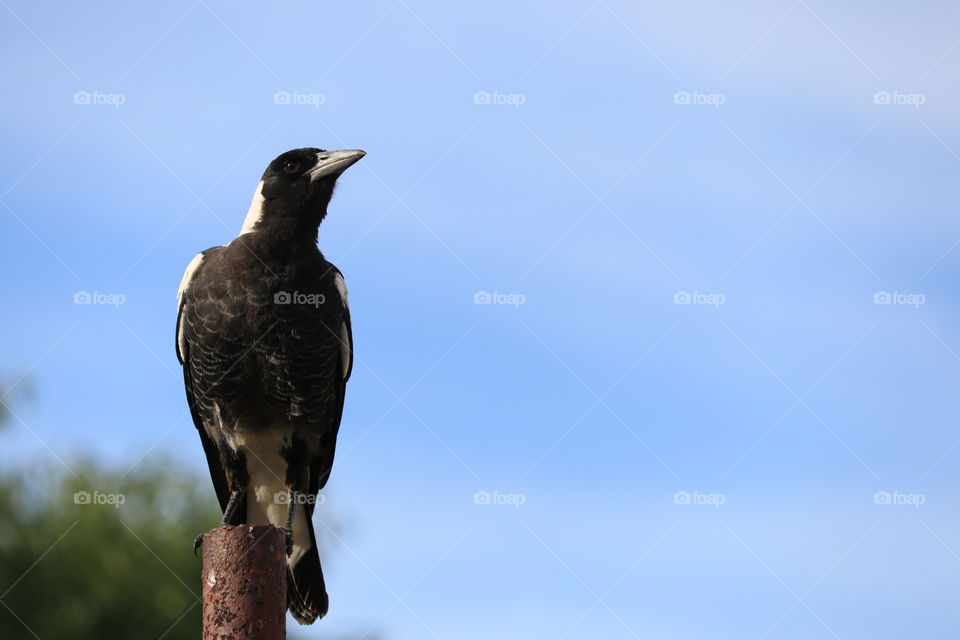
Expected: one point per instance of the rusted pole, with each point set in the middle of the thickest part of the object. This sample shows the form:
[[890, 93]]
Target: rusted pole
[[244, 583]]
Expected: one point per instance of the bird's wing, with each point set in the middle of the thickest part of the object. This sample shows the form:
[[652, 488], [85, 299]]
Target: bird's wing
[[217, 474], [346, 329], [320, 466], [181, 304]]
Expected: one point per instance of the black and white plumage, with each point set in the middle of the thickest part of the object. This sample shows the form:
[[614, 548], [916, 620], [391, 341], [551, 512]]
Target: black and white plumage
[[264, 337]]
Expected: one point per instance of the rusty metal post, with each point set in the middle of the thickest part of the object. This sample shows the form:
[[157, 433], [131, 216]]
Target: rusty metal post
[[244, 583]]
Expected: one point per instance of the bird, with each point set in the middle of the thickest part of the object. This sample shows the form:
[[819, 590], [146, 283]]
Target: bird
[[265, 339]]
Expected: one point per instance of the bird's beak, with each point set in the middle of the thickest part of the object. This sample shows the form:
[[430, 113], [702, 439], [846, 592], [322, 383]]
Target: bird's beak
[[329, 162]]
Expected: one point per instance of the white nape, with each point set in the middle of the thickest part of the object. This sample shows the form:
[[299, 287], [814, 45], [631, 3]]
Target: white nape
[[255, 212]]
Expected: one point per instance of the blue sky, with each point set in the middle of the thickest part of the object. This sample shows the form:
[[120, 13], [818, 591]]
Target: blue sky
[[692, 470]]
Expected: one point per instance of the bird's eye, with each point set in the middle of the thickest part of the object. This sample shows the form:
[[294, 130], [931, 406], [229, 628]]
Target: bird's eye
[[291, 167]]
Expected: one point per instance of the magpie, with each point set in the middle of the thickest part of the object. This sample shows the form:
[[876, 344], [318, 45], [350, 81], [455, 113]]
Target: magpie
[[265, 340]]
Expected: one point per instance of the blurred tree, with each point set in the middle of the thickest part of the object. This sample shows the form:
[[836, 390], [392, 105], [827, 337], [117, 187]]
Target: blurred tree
[[88, 552], [101, 555], [91, 553]]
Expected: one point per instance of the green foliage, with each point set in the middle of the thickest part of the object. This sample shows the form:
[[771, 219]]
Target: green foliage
[[89, 552], [102, 554]]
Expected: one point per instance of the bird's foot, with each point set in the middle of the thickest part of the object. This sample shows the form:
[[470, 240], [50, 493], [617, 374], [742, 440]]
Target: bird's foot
[[289, 537], [197, 543]]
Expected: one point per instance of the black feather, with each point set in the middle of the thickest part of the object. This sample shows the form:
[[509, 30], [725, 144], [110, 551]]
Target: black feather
[[306, 591]]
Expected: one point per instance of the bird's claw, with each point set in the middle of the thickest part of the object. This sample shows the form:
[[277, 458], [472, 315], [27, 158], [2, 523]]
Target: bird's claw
[[197, 542]]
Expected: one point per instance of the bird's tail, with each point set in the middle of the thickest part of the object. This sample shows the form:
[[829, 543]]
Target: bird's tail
[[306, 592]]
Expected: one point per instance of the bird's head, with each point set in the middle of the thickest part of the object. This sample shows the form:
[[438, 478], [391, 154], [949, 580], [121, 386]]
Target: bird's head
[[296, 188]]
